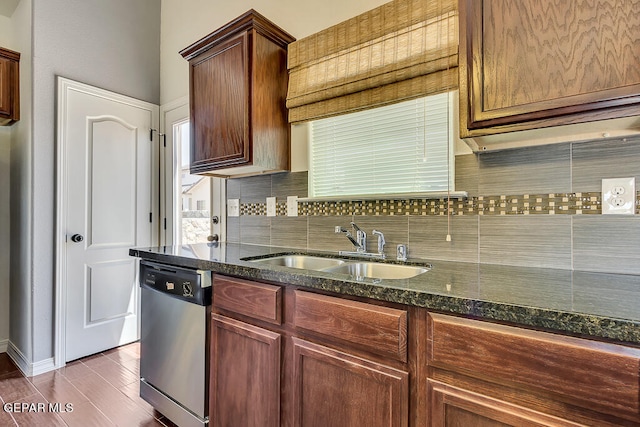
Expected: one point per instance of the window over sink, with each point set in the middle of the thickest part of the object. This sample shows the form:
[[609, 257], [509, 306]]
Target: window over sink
[[403, 148]]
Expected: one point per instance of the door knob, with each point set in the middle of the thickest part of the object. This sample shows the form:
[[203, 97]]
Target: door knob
[[77, 238], [213, 238]]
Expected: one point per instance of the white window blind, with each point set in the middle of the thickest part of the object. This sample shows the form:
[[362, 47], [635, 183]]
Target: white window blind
[[399, 148]]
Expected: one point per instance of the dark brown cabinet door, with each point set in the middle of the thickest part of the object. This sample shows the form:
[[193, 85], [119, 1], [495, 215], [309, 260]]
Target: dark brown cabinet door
[[527, 64], [332, 388], [245, 375], [219, 108], [238, 86], [9, 87]]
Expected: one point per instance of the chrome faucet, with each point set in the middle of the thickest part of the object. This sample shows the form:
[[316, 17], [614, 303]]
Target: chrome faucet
[[361, 238], [360, 242], [338, 229], [381, 242]]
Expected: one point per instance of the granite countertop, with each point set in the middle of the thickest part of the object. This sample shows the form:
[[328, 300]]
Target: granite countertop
[[597, 305]]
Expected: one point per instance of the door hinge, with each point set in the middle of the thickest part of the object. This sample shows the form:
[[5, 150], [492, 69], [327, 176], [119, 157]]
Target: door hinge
[[165, 223], [164, 139], [151, 217], [151, 131]]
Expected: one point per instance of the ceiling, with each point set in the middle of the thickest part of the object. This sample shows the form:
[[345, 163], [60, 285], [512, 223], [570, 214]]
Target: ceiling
[[7, 7]]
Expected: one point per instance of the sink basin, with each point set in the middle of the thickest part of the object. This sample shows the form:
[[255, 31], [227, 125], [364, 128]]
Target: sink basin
[[307, 262], [377, 270], [359, 269]]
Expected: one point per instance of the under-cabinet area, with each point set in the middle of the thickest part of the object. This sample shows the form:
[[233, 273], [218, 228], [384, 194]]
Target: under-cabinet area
[[282, 355]]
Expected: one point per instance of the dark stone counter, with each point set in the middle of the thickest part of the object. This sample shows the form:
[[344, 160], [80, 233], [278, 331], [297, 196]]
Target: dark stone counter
[[595, 305]]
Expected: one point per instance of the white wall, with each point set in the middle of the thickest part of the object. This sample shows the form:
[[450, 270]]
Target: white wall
[[20, 309], [5, 188], [111, 44]]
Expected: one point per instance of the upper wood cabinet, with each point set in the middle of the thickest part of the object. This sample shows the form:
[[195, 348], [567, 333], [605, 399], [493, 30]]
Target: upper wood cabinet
[[238, 86], [527, 64], [9, 87]]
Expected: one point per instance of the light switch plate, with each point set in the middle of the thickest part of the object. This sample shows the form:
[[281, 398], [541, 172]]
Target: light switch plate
[[292, 205], [619, 196], [233, 207], [271, 206]]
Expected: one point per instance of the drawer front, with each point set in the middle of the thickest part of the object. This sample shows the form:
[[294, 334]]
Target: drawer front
[[594, 375], [253, 299], [379, 330]]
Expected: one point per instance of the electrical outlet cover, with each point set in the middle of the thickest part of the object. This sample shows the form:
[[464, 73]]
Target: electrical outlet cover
[[619, 196], [233, 207], [271, 206], [292, 205]]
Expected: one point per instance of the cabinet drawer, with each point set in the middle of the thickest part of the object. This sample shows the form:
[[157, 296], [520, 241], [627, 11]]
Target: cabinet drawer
[[252, 299], [379, 330], [594, 375]]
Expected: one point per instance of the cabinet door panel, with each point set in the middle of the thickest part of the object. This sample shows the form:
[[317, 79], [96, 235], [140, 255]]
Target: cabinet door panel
[[9, 87], [5, 93], [245, 369], [527, 60], [569, 369], [380, 330], [248, 298], [332, 388], [220, 105], [454, 407]]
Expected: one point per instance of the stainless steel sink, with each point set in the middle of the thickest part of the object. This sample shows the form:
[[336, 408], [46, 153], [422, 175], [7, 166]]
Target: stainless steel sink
[[307, 262], [358, 269], [376, 270]]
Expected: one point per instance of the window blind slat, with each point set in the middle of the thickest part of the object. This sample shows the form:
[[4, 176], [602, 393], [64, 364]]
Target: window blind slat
[[403, 147]]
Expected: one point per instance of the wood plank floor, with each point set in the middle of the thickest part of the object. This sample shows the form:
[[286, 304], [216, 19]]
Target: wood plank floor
[[102, 390]]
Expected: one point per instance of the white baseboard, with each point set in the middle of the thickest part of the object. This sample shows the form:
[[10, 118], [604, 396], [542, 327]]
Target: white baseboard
[[3, 346], [19, 359], [27, 368], [42, 366]]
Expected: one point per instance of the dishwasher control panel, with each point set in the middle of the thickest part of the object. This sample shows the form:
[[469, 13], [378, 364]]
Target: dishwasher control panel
[[182, 283]]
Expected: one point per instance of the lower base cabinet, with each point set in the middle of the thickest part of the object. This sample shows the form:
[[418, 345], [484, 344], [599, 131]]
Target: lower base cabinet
[[282, 356], [245, 375], [333, 388]]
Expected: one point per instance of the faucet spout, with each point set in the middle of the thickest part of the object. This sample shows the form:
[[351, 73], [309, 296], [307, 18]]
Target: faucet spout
[[348, 235], [361, 238]]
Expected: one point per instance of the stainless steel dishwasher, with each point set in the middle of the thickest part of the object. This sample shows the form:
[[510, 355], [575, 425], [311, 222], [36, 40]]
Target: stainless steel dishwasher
[[174, 342]]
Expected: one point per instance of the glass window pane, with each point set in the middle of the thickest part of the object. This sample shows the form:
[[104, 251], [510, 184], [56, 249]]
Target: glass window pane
[[399, 148], [193, 223]]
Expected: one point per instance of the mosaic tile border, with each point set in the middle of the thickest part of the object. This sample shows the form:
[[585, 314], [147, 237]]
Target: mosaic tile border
[[525, 204]]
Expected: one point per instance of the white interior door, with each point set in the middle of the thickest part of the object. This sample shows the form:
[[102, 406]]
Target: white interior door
[[107, 203]]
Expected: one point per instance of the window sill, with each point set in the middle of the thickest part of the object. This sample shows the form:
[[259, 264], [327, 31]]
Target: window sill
[[397, 196]]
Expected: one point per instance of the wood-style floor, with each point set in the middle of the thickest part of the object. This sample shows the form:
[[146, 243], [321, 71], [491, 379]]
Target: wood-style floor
[[102, 389]]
